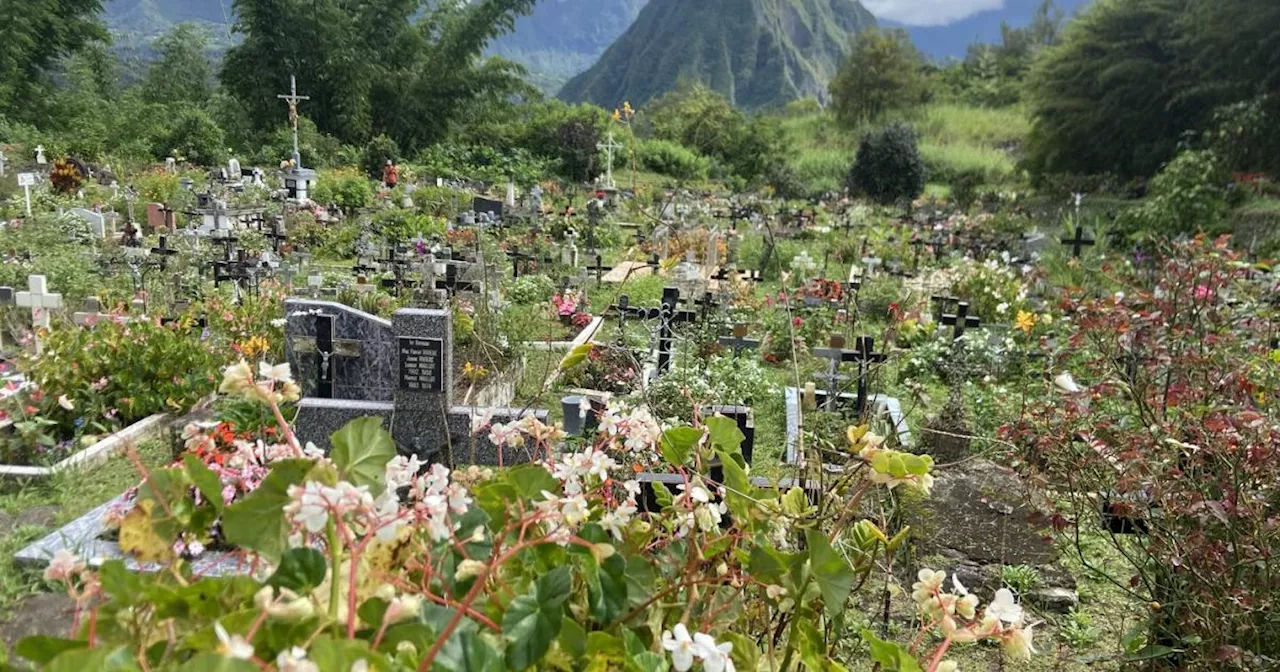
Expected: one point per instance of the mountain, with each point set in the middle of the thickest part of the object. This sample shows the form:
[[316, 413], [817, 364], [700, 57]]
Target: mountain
[[564, 37], [560, 39], [952, 40], [758, 53]]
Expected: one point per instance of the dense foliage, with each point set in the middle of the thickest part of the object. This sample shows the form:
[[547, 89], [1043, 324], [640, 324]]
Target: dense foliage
[[888, 168]]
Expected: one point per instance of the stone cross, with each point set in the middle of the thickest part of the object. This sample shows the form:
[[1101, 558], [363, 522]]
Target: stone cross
[[40, 159], [40, 300], [608, 147]]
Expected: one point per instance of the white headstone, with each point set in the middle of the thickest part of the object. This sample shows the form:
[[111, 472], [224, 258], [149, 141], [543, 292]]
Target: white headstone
[[40, 158], [96, 221], [511, 195], [233, 170], [39, 300]]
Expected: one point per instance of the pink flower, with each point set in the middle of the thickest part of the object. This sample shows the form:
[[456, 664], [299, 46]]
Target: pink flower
[[1202, 293], [64, 566]]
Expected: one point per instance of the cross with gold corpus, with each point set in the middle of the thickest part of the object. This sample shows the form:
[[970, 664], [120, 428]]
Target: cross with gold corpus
[[293, 99]]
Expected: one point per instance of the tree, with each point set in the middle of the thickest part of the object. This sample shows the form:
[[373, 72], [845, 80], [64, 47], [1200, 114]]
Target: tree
[[704, 121], [194, 137], [888, 168], [882, 73], [373, 67], [182, 74], [35, 35]]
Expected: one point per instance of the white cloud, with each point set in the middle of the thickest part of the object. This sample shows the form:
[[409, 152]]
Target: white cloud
[[929, 12]]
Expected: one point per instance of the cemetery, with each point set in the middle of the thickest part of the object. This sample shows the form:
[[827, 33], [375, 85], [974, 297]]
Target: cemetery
[[363, 370]]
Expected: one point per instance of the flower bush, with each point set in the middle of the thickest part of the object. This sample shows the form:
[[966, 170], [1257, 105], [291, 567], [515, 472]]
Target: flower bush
[[363, 560], [692, 384], [1169, 441], [92, 381]]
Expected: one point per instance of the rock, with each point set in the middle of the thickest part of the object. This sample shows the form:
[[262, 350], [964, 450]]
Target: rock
[[37, 516], [41, 614], [981, 512], [1056, 600]]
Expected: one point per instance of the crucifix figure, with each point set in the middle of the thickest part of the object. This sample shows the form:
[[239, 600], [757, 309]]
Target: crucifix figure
[[292, 98], [1078, 241], [961, 320], [608, 147]]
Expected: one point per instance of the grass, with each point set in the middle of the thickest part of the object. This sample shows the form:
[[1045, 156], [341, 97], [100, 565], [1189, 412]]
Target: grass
[[953, 139], [73, 494]]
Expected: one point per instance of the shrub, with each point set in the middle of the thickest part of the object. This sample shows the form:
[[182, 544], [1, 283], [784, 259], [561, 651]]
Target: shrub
[[194, 137], [964, 188], [888, 168], [669, 158], [346, 188], [1188, 194], [96, 380], [376, 154], [527, 290]]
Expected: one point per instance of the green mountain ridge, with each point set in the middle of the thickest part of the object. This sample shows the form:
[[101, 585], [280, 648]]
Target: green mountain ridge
[[758, 53]]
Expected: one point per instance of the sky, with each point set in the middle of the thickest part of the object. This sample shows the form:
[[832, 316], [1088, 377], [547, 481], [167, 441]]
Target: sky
[[929, 12]]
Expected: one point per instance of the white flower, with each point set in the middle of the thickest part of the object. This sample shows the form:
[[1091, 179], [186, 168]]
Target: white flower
[[1017, 643], [64, 566], [308, 506], [468, 569], [401, 470], [360, 666], [508, 435], [957, 587], [64, 402], [715, 657], [295, 660], [279, 373], [232, 646], [1004, 607], [279, 322], [575, 510], [678, 642], [1002, 308]]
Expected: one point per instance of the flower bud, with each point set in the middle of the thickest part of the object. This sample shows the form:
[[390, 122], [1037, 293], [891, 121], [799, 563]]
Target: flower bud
[[468, 569]]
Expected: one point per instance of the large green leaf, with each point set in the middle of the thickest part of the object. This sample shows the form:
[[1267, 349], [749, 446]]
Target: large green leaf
[[467, 652], [300, 570], [725, 433], [257, 522], [102, 659], [576, 356], [206, 481], [339, 655], [607, 588], [40, 649], [890, 656], [212, 662], [532, 621], [361, 451], [737, 487], [678, 443], [531, 480], [830, 570]]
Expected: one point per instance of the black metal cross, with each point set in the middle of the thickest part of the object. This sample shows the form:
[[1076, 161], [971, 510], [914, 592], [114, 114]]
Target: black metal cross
[[961, 320], [836, 354], [452, 282], [917, 243], [362, 270], [865, 355], [942, 305], [324, 356], [164, 252], [598, 268], [739, 341], [671, 316], [1078, 242], [516, 256], [277, 236]]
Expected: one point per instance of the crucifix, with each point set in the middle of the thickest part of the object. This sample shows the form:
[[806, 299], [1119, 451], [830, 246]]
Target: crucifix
[[739, 341], [292, 98], [836, 354], [327, 351], [1078, 241], [608, 147], [865, 355], [961, 320]]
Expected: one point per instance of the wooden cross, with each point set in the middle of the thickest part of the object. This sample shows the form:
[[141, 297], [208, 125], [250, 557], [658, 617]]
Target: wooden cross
[[1078, 242], [516, 257], [961, 320], [292, 99], [277, 236]]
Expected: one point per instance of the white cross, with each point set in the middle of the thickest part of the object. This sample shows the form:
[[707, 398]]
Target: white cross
[[608, 146], [40, 155], [39, 300]]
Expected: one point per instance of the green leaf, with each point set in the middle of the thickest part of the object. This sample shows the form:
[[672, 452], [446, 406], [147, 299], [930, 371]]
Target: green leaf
[[300, 570], [678, 443], [795, 503], [531, 480], [361, 451], [725, 433], [833, 574], [257, 522], [576, 356], [890, 656], [573, 639], [532, 621], [467, 652], [121, 584], [206, 481], [1149, 652], [647, 661], [212, 662], [662, 495], [40, 649], [607, 588], [737, 487], [338, 655], [898, 538], [604, 644]]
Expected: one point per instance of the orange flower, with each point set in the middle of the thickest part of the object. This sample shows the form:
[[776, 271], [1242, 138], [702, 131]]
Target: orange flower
[[1025, 321]]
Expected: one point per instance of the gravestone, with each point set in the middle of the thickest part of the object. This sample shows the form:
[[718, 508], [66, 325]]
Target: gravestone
[[97, 222], [400, 370]]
